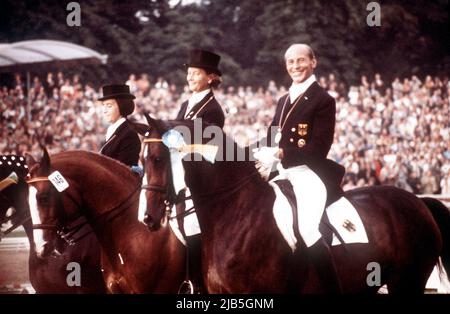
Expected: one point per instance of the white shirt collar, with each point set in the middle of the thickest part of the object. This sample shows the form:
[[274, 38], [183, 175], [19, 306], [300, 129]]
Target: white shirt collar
[[113, 127], [195, 99], [297, 89]]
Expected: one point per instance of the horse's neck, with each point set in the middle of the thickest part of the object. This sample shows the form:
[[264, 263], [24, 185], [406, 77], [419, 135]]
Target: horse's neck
[[112, 231], [126, 240], [101, 189], [221, 187], [109, 201]]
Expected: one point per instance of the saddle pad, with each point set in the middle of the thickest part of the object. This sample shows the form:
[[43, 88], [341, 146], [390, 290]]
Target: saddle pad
[[342, 215], [191, 225], [438, 279]]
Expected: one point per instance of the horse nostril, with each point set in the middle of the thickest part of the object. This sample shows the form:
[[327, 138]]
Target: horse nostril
[[150, 223], [148, 220], [46, 250]]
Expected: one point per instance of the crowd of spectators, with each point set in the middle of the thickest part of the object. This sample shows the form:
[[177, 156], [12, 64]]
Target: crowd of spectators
[[394, 133]]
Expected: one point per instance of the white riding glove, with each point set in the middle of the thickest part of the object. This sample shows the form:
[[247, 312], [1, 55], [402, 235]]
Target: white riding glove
[[266, 160]]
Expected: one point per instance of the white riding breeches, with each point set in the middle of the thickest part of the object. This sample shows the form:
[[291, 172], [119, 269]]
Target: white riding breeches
[[311, 195]]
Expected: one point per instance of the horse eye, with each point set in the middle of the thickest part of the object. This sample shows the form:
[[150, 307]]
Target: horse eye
[[43, 199], [158, 159]]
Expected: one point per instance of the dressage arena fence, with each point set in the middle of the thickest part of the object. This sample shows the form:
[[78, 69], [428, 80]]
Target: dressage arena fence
[[15, 244]]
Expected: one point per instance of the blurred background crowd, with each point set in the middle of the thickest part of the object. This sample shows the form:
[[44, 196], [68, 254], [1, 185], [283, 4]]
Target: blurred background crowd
[[387, 132], [391, 128]]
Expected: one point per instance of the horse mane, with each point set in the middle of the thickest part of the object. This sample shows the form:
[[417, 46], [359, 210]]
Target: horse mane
[[102, 163], [233, 170], [244, 164]]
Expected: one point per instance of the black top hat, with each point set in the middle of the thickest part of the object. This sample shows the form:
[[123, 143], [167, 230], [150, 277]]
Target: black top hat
[[116, 91], [204, 59]]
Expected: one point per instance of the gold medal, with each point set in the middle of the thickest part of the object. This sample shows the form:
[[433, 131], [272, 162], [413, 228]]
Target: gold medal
[[278, 137]]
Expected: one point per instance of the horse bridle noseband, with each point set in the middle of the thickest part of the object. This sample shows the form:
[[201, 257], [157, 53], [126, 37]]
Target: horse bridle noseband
[[56, 227], [66, 232], [170, 198]]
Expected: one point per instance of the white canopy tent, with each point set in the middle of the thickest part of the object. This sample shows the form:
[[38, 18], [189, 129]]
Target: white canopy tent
[[38, 54], [29, 53]]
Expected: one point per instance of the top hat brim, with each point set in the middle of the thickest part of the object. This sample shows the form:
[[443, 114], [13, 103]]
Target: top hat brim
[[201, 66], [117, 96]]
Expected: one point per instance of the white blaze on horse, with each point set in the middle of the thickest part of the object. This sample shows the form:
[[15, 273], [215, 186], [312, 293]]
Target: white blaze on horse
[[47, 274], [104, 194]]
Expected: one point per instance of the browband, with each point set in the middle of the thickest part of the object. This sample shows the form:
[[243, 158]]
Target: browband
[[37, 179]]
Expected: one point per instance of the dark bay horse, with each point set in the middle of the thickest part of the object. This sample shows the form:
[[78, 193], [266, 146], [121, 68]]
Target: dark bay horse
[[244, 252], [48, 274], [15, 195], [106, 193]]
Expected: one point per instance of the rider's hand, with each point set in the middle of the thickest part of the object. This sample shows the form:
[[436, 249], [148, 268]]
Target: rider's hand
[[266, 155], [263, 170], [266, 160]]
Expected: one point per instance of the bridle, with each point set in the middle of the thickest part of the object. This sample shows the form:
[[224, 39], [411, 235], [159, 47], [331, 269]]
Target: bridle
[[172, 199], [55, 227], [67, 232]]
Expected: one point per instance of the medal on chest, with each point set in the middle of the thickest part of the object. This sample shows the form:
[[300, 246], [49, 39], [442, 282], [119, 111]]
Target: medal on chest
[[278, 136]]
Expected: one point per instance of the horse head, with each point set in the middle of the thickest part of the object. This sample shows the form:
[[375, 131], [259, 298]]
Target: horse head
[[169, 148], [46, 207], [157, 185]]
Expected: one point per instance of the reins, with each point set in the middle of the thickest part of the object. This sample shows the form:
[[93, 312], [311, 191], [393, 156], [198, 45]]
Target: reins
[[66, 233], [171, 200]]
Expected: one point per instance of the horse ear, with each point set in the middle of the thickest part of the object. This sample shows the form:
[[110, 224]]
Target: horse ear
[[30, 160], [33, 164], [45, 161], [153, 123]]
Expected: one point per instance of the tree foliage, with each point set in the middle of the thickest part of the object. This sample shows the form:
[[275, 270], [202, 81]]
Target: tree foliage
[[155, 36]]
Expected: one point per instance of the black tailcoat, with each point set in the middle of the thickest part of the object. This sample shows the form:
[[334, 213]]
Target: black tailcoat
[[124, 145], [211, 113], [307, 136]]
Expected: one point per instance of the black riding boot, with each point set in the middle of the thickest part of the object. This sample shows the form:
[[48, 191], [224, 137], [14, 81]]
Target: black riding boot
[[322, 259], [194, 244]]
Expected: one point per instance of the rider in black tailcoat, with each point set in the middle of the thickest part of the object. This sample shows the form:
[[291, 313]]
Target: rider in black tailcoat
[[122, 141], [203, 75]]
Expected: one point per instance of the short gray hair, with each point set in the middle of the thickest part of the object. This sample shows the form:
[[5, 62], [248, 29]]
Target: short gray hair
[[303, 46]]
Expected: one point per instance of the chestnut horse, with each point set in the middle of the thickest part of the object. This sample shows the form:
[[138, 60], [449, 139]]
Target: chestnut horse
[[106, 193], [243, 250], [48, 274]]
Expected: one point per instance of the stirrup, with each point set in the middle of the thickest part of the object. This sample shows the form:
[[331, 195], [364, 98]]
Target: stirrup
[[186, 287]]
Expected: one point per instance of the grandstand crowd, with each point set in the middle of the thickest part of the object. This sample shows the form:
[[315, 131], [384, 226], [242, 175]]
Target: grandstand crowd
[[395, 133]]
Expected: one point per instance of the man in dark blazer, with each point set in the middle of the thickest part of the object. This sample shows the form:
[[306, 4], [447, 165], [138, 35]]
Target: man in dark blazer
[[301, 135], [122, 142]]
